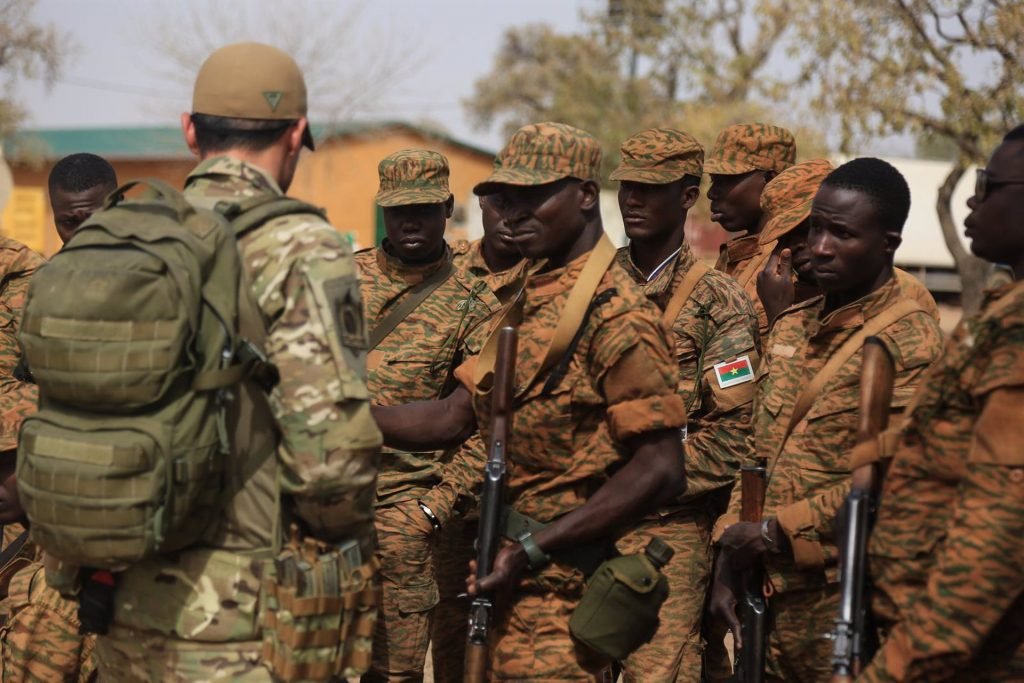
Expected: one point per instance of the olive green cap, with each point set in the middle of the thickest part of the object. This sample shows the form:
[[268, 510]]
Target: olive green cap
[[748, 147], [251, 81], [413, 176], [659, 156], [541, 153], [786, 200]]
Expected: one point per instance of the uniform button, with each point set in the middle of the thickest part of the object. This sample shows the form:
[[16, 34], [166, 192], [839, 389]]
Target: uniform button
[[1017, 475]]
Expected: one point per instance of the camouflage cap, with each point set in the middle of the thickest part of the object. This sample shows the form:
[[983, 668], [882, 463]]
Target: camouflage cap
[[787, 198], [251, 81], [748, 147], [542, 153], [658, 156], [413, 176]]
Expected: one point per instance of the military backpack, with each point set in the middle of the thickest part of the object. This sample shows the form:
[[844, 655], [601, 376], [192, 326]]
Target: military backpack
[[132, 332]]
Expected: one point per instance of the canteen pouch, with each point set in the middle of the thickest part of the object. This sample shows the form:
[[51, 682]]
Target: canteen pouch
[[619, 609], [319, 610]]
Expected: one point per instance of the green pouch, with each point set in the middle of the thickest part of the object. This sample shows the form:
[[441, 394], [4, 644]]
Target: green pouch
[[619, 609]]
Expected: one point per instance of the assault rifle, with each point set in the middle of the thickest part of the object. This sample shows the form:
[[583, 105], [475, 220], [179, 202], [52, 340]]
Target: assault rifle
[[491, 502], [851, 640], [753, 609]]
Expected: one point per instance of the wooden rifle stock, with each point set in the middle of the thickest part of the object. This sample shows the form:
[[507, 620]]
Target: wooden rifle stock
[[753, 608], [491, 500], [850, 638]]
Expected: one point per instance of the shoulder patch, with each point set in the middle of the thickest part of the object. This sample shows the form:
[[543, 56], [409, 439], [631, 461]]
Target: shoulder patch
[[733, 372]]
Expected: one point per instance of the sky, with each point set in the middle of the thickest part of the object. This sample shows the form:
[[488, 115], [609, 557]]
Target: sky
[[112, 79]]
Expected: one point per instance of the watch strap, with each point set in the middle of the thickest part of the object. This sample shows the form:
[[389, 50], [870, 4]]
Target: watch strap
[[535, 557]]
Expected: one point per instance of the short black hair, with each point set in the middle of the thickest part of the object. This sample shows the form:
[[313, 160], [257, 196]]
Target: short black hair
[[880, 181], [690, 181], [81, 172], [221, 133], [1015, 134]]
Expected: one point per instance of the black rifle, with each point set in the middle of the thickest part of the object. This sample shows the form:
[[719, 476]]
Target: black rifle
[[491, 502], [753, 608], [851, 637]]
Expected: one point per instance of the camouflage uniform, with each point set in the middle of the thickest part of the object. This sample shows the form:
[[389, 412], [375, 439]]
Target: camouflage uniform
[[786, 201], [947, 550], [39, 638], [455, 545], [810, 477], [620, 382], [167, 626], [414, 362], [743, 148], [717, 324]]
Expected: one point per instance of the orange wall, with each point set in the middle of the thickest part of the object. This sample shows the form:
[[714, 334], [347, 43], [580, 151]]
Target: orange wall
[[341, 176]]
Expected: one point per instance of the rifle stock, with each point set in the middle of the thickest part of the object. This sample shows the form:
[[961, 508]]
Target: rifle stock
[[850, 637], [491, 500], [753, 608]]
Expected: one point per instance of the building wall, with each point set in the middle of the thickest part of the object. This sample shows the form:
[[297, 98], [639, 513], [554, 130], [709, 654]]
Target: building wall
[[341, 176]]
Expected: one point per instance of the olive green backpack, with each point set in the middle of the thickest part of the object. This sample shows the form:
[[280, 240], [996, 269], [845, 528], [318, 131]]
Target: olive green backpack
[[132, 334]]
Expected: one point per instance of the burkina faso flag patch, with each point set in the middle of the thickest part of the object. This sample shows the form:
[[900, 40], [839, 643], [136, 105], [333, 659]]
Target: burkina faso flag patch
[[734, 372]]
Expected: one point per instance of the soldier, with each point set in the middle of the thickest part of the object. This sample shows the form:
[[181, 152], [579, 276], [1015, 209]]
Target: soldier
[[180, 617], [788, 277], [744, 159], [495, 260], [78, 185], [947, 549], [420, 307], [805, 411], [714, 325], [596, 431]]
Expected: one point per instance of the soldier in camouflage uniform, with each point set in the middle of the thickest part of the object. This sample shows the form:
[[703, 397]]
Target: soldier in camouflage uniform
[[39, 638], [744, 159], [947, 550], [193, 615], [660, 180], [788, 277], [595, 439], [495, 260], [856, 219], [414, 361]]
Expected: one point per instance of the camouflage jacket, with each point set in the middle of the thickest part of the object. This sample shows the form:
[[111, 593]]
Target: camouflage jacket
[[39, 638], [17, 398], [717, 324], [620, 381], [744, 258], [810, 478], [947, 550], [416, 360]]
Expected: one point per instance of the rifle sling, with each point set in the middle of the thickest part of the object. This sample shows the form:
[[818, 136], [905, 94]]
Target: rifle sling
[[11, 551], [416, 296], [805, 400], [587, 558], [682, 294]]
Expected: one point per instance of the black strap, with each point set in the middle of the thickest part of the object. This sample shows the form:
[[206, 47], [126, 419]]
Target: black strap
[[11, 551], [410, 303]]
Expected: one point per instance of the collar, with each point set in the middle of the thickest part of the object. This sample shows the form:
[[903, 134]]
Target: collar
[[855, 314], [742, 248], [391, 266], [238, 170], [663, 277]]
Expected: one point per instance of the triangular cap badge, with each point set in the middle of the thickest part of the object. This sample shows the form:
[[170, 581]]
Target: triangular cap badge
[[273, 98]]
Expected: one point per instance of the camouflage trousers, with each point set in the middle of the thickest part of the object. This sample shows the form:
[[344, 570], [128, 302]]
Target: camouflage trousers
[[675, 653], [532, 643], [133, 655], [454, 550], [800, 623], [408, 594], [40, 641]]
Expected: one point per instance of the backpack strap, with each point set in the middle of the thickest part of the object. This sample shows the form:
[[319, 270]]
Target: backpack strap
[[416, 296], [253, 212], [806, 399], [682, 294]]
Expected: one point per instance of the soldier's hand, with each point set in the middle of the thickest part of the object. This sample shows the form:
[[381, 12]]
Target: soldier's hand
[[775, 284], [508, 567], [723, 601], [741, 545]]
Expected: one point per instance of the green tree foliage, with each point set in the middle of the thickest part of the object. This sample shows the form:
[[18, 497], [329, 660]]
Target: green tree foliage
[[27, 50]]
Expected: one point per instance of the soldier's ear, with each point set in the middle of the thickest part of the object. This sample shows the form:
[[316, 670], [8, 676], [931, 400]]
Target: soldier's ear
[[689, 196], [589, 194], [188, 129], [893, 240]]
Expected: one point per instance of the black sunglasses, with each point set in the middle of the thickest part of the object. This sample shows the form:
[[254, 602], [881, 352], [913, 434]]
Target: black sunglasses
[[984, 181]]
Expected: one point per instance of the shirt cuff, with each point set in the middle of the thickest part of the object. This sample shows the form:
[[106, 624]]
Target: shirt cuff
[[795, 519], [630, 418]]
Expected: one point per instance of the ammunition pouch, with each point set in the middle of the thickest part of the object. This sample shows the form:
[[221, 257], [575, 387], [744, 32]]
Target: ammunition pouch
[[619, 609], [587, 558], [319, 610]]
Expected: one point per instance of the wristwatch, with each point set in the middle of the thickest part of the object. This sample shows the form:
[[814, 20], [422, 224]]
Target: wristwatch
[[431, 517], [769, 542], [535, 557]]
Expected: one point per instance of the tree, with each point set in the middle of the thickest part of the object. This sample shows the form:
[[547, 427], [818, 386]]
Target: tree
[[27, 50], [349, 66], [947, 71]]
